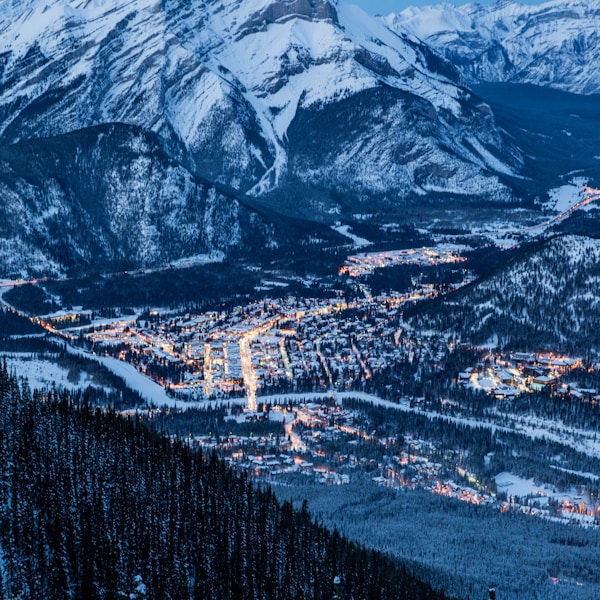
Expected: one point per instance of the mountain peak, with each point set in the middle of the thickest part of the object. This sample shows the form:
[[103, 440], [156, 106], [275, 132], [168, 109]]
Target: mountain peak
[[276, 11], [221, 81]]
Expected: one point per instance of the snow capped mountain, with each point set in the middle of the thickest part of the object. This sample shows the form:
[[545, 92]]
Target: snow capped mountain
[[291, 99], [554, 44]]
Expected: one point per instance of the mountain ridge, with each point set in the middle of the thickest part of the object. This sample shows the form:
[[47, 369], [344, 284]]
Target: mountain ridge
[[109, 197], [223, 80]]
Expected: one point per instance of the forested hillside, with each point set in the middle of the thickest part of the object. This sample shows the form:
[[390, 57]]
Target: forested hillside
[[93, 505], [545, 297]]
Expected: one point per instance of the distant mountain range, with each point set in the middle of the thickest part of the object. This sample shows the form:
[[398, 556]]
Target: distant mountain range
[[554, 44]]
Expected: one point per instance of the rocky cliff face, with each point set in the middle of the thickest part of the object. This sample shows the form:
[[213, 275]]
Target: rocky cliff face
[[108, 198], [224, 81]]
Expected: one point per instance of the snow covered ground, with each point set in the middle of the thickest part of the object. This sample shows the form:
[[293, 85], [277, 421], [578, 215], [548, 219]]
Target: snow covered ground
[[148, 389], [564, 197], [42, 373], [513, 485], [358, 241]]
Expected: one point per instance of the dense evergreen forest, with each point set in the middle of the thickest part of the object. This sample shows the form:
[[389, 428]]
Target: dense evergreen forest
[[95, 505], [545, 297]]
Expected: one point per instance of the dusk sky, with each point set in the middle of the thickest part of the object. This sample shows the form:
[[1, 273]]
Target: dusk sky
[[384, 7]]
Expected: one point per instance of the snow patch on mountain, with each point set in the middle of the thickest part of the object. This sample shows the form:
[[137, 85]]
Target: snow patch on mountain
[[490, 160]]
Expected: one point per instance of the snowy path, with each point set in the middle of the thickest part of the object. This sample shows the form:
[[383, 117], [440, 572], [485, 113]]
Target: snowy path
[[148, 389], [358, 242]]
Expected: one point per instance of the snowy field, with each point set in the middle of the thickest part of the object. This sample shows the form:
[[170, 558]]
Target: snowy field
[[564, 197], [151, 391], [42, 373], [512, 485]]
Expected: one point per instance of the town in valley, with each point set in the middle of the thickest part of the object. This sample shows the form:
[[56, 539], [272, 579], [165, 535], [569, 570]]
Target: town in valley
[[290, 377]]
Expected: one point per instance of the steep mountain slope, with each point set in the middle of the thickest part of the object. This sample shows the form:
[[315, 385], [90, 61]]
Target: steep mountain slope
[[547, 297], [559, 132], [108, 198], [300, 100], [554, 44]]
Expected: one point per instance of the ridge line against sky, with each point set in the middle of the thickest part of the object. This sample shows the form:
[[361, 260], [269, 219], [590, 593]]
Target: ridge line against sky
[[384, 7]]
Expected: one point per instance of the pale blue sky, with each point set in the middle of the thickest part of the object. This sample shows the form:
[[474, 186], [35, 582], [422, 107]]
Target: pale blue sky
[[383, 7]]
